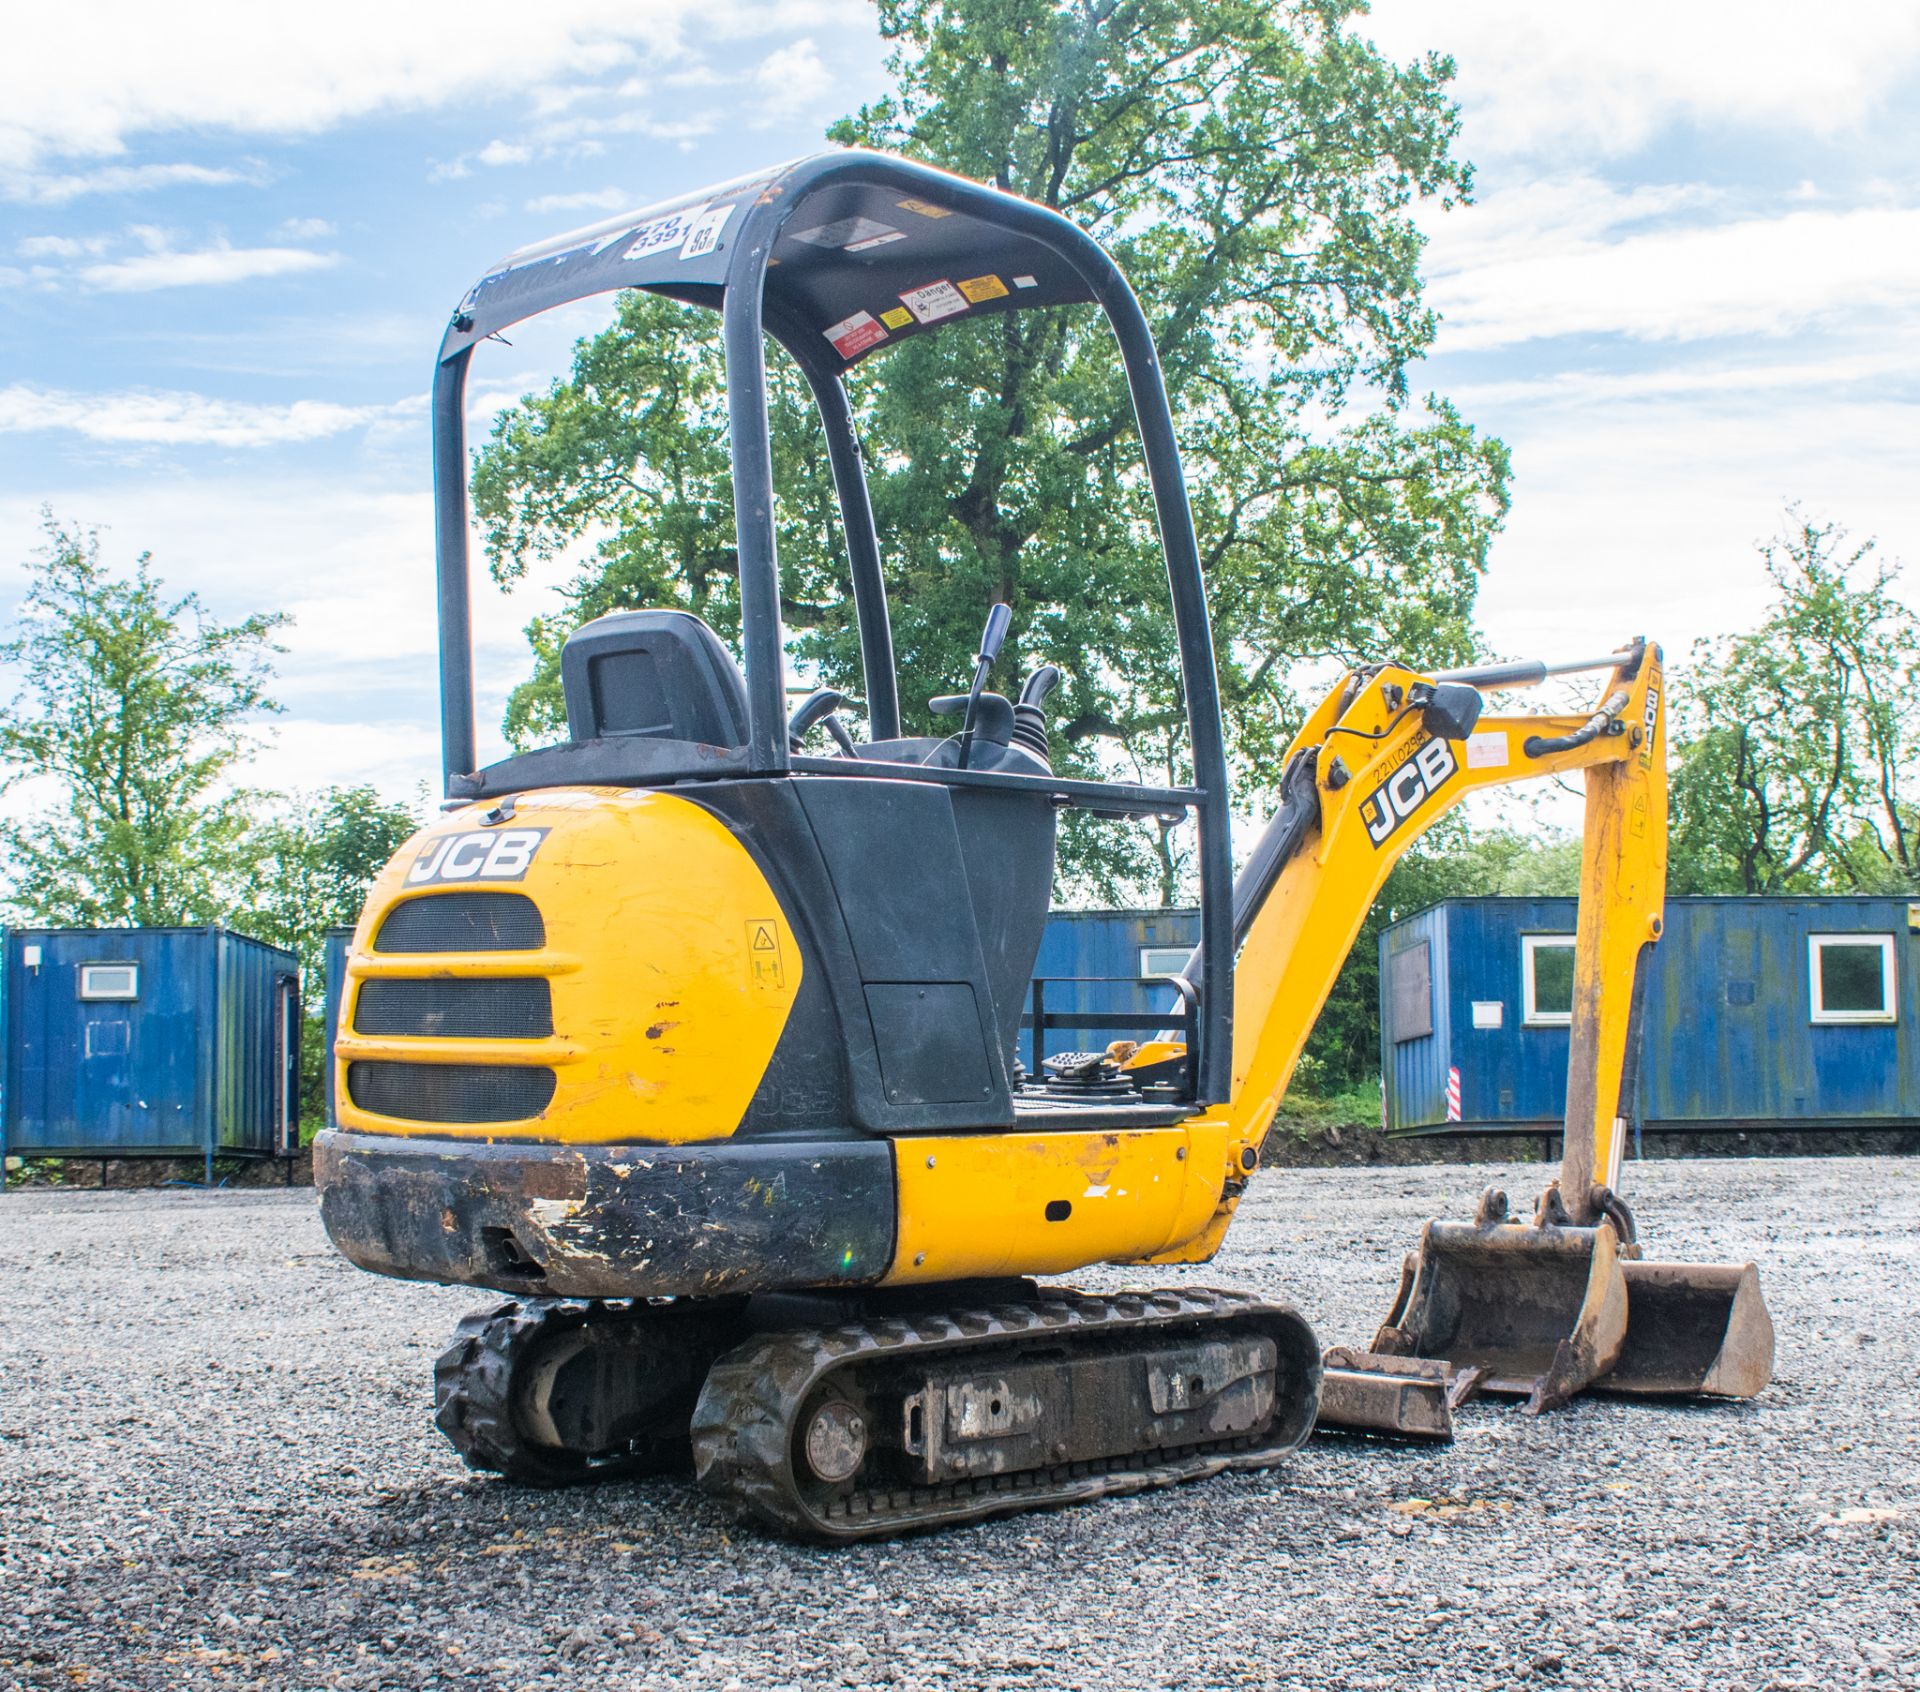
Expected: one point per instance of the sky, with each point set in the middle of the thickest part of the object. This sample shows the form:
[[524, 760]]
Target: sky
[[1687, 293]]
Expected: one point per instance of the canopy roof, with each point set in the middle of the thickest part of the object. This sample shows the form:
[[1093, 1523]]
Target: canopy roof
[[861, 251]]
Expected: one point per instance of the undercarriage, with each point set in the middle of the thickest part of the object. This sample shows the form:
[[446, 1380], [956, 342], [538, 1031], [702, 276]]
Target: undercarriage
[[838, 1419]]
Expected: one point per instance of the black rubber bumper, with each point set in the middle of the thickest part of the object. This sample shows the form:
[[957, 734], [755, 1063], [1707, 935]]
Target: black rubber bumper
[[610, 1221]]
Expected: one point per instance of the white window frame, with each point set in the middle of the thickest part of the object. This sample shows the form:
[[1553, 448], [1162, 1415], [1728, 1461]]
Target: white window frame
[[1530, 1015], [1179, 954], [1889, 980], [94, 995]]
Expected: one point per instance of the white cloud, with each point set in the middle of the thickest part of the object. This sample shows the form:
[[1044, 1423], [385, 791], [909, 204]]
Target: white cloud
[[183, 419], [1541, 80], [63, 246], [790, 79], [1574, 257], [497, 153], [279, 70], [306, 228], [165, 268], [57, 188], [590, 199]]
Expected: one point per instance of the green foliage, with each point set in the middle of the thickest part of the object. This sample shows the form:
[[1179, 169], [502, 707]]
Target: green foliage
[[132, 716], [1344, 1050], [1797, 743], [1254, 168], [316, 861]]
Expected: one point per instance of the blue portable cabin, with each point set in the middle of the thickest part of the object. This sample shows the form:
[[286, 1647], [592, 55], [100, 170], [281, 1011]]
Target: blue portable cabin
[[337, 942], [1090, 964], [1762, 1013], [147, 1042]]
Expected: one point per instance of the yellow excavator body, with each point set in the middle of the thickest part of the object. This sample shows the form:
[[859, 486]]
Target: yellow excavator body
[[703, 1048]]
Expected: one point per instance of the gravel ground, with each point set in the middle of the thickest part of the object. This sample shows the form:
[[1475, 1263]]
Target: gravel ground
[[218, 1469]]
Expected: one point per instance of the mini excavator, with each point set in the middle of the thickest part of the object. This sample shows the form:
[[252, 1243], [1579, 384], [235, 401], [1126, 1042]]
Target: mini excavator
[[700, 1046]]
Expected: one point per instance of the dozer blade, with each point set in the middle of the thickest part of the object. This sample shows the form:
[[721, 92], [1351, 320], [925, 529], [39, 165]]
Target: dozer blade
[[1535, 1311], [1692, 1329]]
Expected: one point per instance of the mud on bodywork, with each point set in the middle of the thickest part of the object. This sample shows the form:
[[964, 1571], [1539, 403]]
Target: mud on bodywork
[[610, 1221]]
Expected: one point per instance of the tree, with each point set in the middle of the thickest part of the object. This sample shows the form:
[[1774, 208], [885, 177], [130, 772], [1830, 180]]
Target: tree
[[133, 714], [1797, 742], [1254, 167]]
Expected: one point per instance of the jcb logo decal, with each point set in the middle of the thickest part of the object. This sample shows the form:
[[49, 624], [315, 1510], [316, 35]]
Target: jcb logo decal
[[485, 855], [1407, 789], [1650, 720]]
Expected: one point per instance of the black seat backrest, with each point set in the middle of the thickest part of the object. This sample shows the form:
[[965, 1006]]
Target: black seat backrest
[[661, 674]]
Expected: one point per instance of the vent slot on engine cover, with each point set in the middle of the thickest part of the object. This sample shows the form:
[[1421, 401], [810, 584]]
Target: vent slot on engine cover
[[463, 922], [456, 1010], [450, 1092]]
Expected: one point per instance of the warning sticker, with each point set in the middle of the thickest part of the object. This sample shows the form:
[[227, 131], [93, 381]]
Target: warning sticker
[[851, 336], [898, 318], [1487, 750], [852, 233], [764, 966], [978, 288], [664, 232], [935, 301], [704, 236], [923, 208], [1025, 282]]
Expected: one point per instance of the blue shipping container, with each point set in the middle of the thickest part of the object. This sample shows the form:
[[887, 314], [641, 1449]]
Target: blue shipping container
[[1775, 1012], [156, 1042]]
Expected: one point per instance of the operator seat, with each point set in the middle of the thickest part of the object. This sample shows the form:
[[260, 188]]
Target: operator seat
[[661, 675]]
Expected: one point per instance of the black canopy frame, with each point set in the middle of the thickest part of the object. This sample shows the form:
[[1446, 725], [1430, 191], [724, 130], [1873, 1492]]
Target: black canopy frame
[[747, 250]]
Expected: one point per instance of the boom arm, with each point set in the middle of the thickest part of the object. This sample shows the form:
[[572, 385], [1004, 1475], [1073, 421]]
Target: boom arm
[[1389, 753]]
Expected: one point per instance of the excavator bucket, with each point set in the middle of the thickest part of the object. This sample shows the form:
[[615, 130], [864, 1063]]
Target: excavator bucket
[[1546, 1310], [1693, 1329], [1537, 1312]]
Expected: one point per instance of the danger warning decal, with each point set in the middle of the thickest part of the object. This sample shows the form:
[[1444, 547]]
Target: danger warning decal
[[851, 336], [487, 854], [765, 967], [935, 301]]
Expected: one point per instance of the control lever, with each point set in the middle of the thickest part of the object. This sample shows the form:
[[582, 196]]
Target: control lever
[[822, 702], [999, 620]]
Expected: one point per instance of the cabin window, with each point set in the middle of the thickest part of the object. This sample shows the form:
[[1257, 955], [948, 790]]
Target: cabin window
[[1164, 960], [1546, 979], [1851, 977], [110, 981], [1410, 992]]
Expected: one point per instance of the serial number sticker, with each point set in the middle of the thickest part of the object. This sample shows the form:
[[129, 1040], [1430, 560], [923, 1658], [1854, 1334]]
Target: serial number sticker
[[851, 336], [764, 966], [663, 232], [486, 854], [850, 233], [1488, 750], [978, 288], [896, 318], [935, 301], [705, 234], [923, 208]]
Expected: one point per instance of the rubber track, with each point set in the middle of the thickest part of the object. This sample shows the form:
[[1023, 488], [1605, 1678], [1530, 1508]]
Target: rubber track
[[743, 1428], [473, 1382]]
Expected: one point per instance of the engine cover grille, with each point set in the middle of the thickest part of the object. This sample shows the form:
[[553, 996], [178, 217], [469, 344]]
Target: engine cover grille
[[450, 1092], [456, 1009], [463, 922]]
